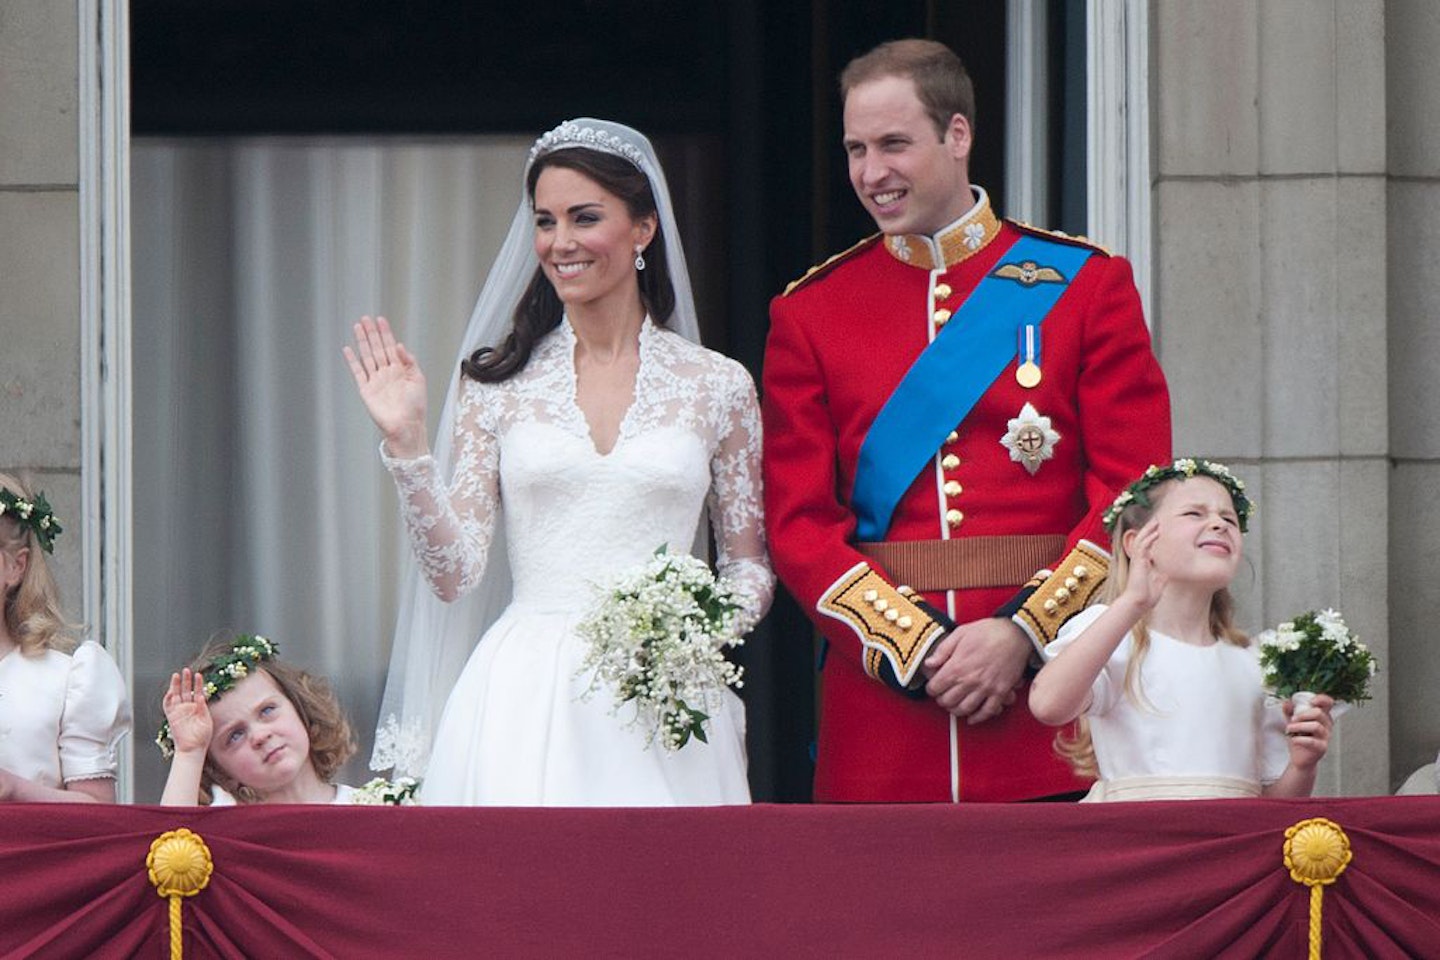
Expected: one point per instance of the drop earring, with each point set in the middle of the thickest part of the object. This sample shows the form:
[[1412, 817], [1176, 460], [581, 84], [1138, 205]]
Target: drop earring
[[639, 258]]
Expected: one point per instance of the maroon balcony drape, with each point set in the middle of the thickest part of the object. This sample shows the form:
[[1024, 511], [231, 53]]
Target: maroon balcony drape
[[1196, 879]]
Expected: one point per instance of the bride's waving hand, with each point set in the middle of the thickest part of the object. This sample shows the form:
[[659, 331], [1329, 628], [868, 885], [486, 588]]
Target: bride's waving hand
[[391, 385]]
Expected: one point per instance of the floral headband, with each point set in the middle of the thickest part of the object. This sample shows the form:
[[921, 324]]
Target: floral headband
[[222, 673], [1183, 469], [35, 514]]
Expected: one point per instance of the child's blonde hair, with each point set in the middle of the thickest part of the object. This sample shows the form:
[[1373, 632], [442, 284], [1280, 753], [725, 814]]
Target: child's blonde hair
[[331, 740], [1077, 748], [32, 609]]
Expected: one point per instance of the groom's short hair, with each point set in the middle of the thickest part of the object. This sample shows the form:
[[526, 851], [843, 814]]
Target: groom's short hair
[[940, 79]]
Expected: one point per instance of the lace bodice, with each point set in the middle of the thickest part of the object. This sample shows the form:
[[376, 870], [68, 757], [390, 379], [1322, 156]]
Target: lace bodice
[[575, 517]]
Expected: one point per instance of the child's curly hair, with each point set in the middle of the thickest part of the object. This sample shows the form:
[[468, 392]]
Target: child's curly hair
[[332, 742]]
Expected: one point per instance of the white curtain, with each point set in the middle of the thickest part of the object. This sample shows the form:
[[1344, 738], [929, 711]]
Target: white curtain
[[261, 505]]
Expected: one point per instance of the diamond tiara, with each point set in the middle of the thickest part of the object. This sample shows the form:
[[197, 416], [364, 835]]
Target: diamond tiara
[[572, 134]]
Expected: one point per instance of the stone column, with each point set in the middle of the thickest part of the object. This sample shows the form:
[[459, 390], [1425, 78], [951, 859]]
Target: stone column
[[1271, 307], [40, 263], [1412, 39]]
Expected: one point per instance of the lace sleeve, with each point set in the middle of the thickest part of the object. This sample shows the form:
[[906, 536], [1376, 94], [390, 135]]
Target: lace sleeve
[[450, 530], [735, 502]]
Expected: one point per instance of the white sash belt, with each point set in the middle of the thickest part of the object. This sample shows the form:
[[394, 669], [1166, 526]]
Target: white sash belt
[[1171, 788]]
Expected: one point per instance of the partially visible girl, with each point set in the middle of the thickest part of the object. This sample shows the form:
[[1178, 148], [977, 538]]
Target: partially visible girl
[[64, 708], [243, 726], [1168, 691]]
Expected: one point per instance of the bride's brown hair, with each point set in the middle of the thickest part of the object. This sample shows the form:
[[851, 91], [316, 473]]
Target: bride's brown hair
[[540, 309]]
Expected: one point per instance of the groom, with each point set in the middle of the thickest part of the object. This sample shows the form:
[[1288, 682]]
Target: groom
[[949, 406]]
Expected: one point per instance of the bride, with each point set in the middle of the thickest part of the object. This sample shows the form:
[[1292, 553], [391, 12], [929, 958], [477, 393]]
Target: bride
[[595, 432]]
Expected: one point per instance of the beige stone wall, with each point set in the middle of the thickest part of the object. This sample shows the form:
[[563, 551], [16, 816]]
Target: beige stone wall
[[1412, 49], [40, 262], [1271, 314]]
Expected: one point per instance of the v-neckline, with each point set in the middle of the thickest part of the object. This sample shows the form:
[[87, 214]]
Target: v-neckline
[[571, 343]]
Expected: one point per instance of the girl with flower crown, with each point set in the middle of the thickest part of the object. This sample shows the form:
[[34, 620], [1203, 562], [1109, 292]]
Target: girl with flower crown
[[604, 430], [1168, 692], [63, 707], [244, 726]]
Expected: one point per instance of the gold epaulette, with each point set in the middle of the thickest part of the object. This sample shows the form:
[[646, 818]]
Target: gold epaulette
[[820, 269], [1064, 592], [892, 628], [1060, 235]]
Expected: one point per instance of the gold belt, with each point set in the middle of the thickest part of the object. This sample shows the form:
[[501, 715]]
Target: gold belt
[[965, 562]]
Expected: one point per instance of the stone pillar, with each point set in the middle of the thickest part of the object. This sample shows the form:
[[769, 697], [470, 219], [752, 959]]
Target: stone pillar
[[1271, 303], [1412, 39], [40, 263]]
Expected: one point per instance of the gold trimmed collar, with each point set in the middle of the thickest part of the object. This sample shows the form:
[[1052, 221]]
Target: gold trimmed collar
[[962, 239]]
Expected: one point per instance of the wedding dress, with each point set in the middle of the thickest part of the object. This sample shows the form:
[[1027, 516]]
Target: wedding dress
[[516, 729]]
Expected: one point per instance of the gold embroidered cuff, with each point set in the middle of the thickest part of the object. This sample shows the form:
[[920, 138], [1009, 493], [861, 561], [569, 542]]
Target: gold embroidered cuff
[[894, 631], [1064, 593]]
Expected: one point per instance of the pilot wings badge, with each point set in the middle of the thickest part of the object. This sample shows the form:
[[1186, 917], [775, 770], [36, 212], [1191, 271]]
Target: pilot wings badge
[[1031, 440], [1028, 273]]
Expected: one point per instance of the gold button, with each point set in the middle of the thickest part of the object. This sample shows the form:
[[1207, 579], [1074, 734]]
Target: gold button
[[1062, 595], [952, 488], [954, 518], [953, 437], [903, 590], [1081, 572], [870, 596], [880, 606], [942, 290], [1051, 606], [892, 615], [904, 623], [942, 316], [1071, 583], [949, 461]]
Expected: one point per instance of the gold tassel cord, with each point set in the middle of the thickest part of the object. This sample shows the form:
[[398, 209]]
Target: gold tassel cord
[[1317, 851], [179, 866]]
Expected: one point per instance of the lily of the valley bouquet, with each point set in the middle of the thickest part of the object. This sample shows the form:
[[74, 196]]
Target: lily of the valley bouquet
[[399, 792], [1316, 653], [657, 638]]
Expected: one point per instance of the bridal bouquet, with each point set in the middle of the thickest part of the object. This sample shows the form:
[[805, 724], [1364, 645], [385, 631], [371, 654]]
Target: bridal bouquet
[[656, 638], [381, 792], [1316, 653]]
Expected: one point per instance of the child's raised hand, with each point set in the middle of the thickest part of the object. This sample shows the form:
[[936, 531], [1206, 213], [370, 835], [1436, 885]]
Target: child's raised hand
[[1145, 583], [187, 712], [1308, 730]]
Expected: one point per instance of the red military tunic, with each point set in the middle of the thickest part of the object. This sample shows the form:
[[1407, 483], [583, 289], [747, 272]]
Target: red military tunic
[[840, 341]]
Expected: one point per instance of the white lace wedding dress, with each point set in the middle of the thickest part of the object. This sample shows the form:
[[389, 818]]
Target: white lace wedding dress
[[515, 730]]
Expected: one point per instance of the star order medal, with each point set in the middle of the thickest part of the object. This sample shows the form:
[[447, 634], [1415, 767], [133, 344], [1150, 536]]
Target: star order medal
[[1031, 440]]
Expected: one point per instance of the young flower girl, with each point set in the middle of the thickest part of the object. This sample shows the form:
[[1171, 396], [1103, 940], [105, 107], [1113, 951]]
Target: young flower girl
[[65, 711], [1168, 691], [243, 726]]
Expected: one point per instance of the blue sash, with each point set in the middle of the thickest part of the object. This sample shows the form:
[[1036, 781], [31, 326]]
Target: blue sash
[[952, 374]]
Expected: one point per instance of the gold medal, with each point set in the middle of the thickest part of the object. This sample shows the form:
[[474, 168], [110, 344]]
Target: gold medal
[[1028, 375]]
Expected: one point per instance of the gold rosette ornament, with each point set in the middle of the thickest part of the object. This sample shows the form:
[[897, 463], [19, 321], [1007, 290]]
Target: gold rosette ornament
[[179, 866], [1317, 851]]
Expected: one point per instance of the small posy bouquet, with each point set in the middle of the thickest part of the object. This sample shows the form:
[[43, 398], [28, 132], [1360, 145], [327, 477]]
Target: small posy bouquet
[[657, 638], [1316, 653], [399, 792]]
